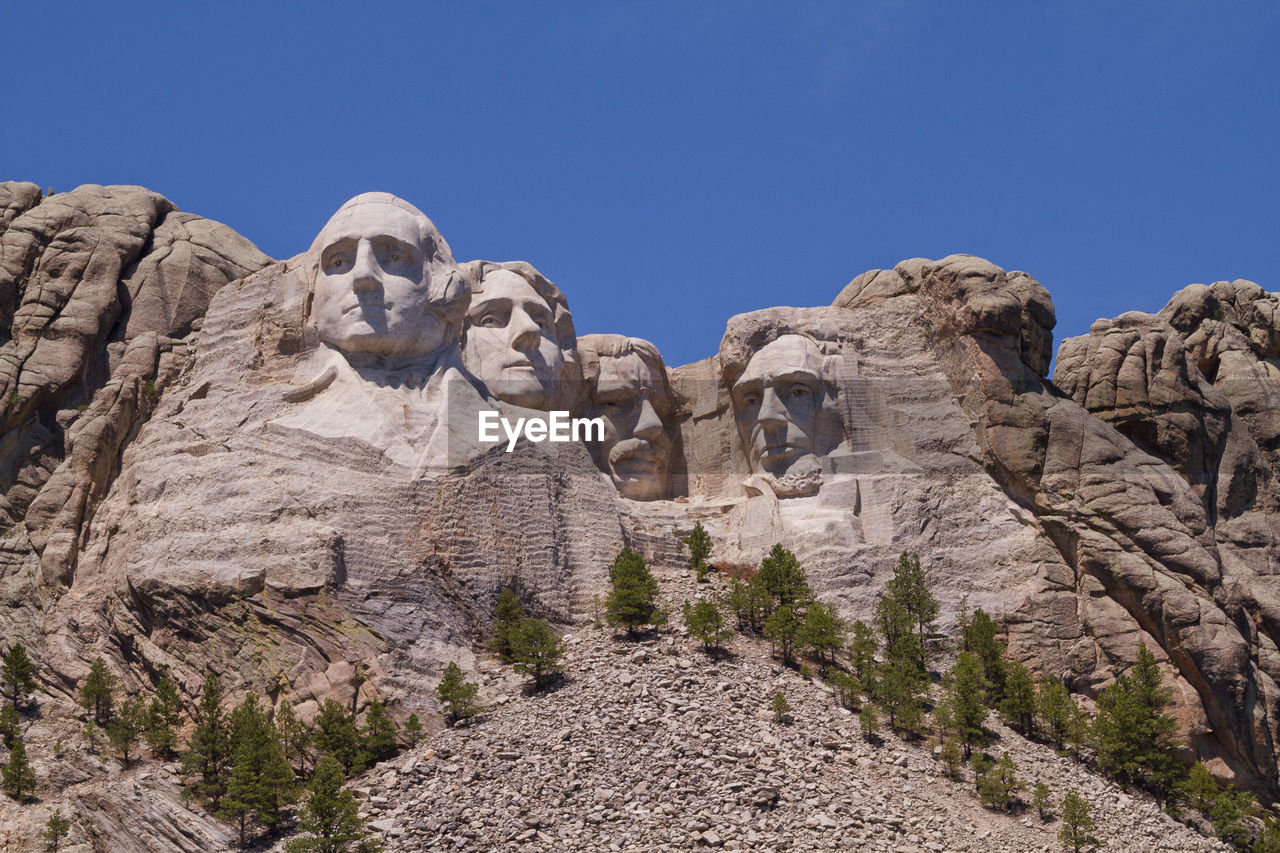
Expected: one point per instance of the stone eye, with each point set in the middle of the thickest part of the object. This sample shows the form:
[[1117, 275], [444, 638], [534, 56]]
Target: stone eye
[[490, 321], [798, 392]]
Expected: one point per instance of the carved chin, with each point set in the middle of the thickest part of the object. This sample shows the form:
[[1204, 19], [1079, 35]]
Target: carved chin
[[802, 478], [528, 393], [640, 488]]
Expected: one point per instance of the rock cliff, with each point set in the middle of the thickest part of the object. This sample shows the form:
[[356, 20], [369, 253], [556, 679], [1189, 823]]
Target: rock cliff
[[213, 461]]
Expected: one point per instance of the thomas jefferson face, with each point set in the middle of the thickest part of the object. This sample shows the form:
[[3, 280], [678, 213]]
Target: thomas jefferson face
[[511, 341], [631, 395], [778, 404], [372, 287]]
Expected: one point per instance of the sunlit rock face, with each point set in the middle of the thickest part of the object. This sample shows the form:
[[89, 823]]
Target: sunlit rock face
[[520, 340], [289, 491], [626, 385]]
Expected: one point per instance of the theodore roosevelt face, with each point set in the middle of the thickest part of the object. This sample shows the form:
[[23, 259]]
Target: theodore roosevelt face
[[630, 392]]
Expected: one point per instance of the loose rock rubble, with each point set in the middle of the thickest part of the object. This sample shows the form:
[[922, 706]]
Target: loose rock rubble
[[650, 745]]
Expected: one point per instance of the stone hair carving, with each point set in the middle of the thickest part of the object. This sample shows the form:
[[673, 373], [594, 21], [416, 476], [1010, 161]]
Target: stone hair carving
[[519, 339], [385, 288], [626, 384], [785, 405]]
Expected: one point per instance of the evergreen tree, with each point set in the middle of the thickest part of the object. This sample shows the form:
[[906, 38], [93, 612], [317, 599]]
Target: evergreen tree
[[1134, 736], [17, 675], [868, 722], [952, 757], [1077, 823], [782, 577], [127, 726], [1059, 715], [847, 689], [823, 632], [908, 591], [750, 604], [380, 737], [295, 737], [980, 635], [964, 701], [90, 734], [98, 691], [507, 616], [1042, 801], [164, 718], [10, 726], [1200, 789], [457, 696], [862, 657], [18, 777], [330, 817], [55, 830], [1269, 838], [336, 735], [632, 601], [537, 651], [209, 750], [705, 621], [260, 782], [1018, 703], [412, 730], [780, 707], [998, 784], [899, 692], [699, 542], [1228, 816], [782, 630]]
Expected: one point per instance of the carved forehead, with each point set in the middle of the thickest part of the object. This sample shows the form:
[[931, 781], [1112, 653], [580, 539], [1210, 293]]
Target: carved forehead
[[505, 284], [786, 354], [616, 373], [382, 213]]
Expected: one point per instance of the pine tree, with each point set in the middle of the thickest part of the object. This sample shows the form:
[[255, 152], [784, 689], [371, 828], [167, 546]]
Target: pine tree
[[699, 542], [823, 632], [862, 657], [846, 687], [336, 735], [899, 693], [209, 750], [1018, 703], [1269, 838], [412, 730], [90, 734], [164, 718], [457, 696], [98, 691], [380, 737], [260, 782], [780, 707], [782, 577], [952, 757], [782, 630], [330, 817], [750, 604], [1229, 817], [1134, 736], [18, 777], [1042, 801], [998, 784], [908, 592], [868, 722], [980, 635], [1077, 823], [10, 726], [295, 736], [507, 615], [537, 651], [127, 725], [1059, 715], [55, 830], [1200, 788], [964, 701], [632, 601], [705, 621], [17, 675]]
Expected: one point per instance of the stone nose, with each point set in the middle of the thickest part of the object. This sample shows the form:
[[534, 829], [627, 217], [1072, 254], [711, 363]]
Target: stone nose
[[772, 411], [524, 330], [649, 425], [365, 272]]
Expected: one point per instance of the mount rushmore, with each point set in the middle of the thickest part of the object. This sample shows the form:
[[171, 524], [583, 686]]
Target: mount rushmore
[[272, 469]]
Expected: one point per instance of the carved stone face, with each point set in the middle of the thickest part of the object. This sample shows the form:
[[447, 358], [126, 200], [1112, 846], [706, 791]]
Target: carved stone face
[[372, 291], [778, 402], [511, 341], [631, 395]]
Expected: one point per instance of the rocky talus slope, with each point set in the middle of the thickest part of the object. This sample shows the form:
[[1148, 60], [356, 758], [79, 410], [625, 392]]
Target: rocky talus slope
[[650, 745]]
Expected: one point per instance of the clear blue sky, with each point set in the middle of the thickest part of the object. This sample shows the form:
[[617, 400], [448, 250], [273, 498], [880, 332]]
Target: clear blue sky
[[671, 164]]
